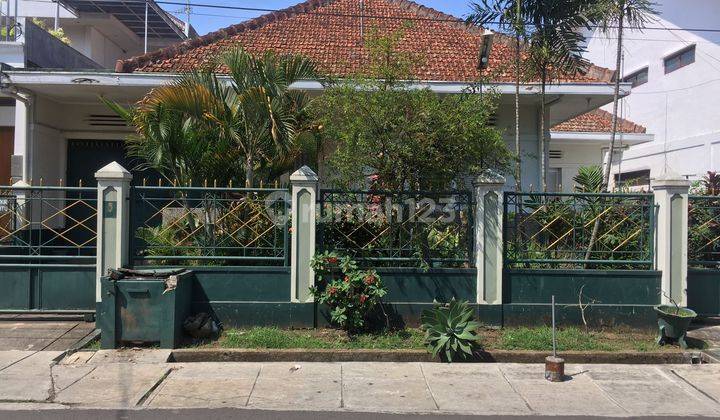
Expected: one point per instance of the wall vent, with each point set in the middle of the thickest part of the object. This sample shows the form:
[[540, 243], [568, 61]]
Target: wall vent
[[555, 154], [105, 120]]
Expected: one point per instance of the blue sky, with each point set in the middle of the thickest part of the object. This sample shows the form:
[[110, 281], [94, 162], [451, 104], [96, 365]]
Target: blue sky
[[208, 19]]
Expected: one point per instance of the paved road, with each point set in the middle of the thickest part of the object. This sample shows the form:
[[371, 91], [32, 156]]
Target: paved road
[[242, 414]]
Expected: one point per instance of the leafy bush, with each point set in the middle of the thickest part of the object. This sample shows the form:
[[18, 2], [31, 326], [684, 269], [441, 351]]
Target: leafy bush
[[450, 331], [350, 293]]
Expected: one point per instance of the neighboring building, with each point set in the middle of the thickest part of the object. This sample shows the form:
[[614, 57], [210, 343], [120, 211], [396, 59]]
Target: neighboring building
[[329, 32], [676, 85], [96, 35], [584, 141]]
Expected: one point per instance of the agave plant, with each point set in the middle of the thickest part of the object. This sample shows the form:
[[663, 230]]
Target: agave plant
[[450, 331]]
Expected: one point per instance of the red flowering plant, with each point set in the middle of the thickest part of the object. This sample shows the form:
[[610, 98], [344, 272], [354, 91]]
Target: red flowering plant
[[350, 293]]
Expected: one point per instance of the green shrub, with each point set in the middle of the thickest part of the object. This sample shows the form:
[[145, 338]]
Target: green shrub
[[350, 293], [450, 331]]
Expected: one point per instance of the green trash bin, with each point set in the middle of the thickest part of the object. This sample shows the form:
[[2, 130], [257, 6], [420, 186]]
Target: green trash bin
[[144, 307]]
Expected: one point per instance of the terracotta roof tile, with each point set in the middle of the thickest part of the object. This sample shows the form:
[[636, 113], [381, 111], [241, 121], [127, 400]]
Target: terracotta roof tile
[[328, 32], [597, 121]]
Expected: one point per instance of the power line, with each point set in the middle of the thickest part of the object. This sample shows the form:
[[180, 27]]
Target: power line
[[371, 16]]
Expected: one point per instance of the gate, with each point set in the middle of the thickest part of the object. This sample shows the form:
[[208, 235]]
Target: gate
[[47, 249], [703, 288]]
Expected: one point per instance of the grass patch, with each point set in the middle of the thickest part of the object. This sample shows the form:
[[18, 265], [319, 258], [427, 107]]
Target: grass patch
[[515, 338], [275, 338]]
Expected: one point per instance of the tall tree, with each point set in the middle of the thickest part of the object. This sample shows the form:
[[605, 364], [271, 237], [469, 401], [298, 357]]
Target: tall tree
[[617, 15], [508, 16], [555, 49], [610, 15]]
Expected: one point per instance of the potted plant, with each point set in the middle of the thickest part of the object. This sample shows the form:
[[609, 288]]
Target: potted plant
[[673, 322]]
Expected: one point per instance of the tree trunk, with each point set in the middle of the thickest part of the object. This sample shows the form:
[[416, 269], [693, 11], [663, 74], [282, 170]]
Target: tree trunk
[[249, 171], [616, 98], [611, 149], [518, 163], [543, 148]]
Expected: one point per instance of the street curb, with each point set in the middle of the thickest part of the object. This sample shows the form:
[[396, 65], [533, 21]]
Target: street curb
[[491, 356]]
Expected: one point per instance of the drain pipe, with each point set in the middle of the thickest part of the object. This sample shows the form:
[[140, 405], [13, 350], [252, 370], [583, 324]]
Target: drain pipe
[[26, 98]]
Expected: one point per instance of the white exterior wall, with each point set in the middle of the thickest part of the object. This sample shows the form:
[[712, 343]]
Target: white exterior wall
[[679, 108]]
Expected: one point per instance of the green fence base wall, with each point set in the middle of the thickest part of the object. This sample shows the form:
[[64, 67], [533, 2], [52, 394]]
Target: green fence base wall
[[703, 291], [256, 296], [616, 297], [47, 288], [636, 316]]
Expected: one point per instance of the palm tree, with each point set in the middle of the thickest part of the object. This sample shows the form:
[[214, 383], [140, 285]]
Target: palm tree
[[508, 15], [252, 109], [555, 49], [619, 14]]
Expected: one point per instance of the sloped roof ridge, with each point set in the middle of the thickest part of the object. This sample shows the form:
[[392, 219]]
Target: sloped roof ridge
[[130, 64]]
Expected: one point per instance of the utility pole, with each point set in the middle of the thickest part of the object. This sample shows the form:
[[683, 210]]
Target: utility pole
[[57, 14], [187, 19], [147, 6]]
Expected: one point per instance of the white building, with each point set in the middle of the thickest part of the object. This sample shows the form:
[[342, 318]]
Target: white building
[[676, 89], [96, 35]]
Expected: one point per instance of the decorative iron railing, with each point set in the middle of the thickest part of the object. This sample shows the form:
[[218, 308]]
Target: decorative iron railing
[[398, 229], [48, 225], [704, 231], [209, 226], [549, 230]]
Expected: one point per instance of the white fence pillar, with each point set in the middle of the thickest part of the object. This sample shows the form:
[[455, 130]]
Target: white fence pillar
[[113, 220], [302, 248], [488, 237], [671, 242]]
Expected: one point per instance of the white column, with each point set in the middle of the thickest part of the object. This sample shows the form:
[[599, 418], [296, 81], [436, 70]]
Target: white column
[[113, 220], [302, 248], [21, 190], [488, 237], [671, 243]]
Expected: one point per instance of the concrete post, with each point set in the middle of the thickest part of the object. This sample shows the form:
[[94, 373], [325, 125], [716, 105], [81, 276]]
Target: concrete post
[[302, 248], [23, 214], [488, 237], [113, 220], [671, 242]]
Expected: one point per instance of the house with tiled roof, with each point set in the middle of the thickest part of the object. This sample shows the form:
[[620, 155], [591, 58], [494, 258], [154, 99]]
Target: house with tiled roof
[[584, 141], [68, 133]]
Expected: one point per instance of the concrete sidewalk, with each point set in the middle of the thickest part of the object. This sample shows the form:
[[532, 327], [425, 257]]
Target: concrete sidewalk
[[142, 379]]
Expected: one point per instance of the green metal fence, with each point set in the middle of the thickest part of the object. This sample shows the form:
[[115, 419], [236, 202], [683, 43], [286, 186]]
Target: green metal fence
[[554, 230], [398, 228], [704, 231], [48, 225], [209, 226]]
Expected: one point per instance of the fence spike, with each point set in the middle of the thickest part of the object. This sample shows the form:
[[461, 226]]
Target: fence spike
[[80, 183], [41, 181], [276, 183], [261, 184], [190, 182], [214, 183], [159, 182], [231, 183], [247, 183], [144, 182], [30, 181]]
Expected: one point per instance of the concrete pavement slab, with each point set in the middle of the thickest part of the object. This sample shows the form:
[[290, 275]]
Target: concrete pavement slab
[[113, 385], [130, 356], [644, 389], [575, 396], [297, 386], [208, 385], [28, 379], [79, 357], [703, 378], [472, 388], [8, 357], [386, 387]]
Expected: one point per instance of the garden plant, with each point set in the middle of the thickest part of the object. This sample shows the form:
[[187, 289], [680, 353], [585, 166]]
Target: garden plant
[[451, 331], [351, 294]]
